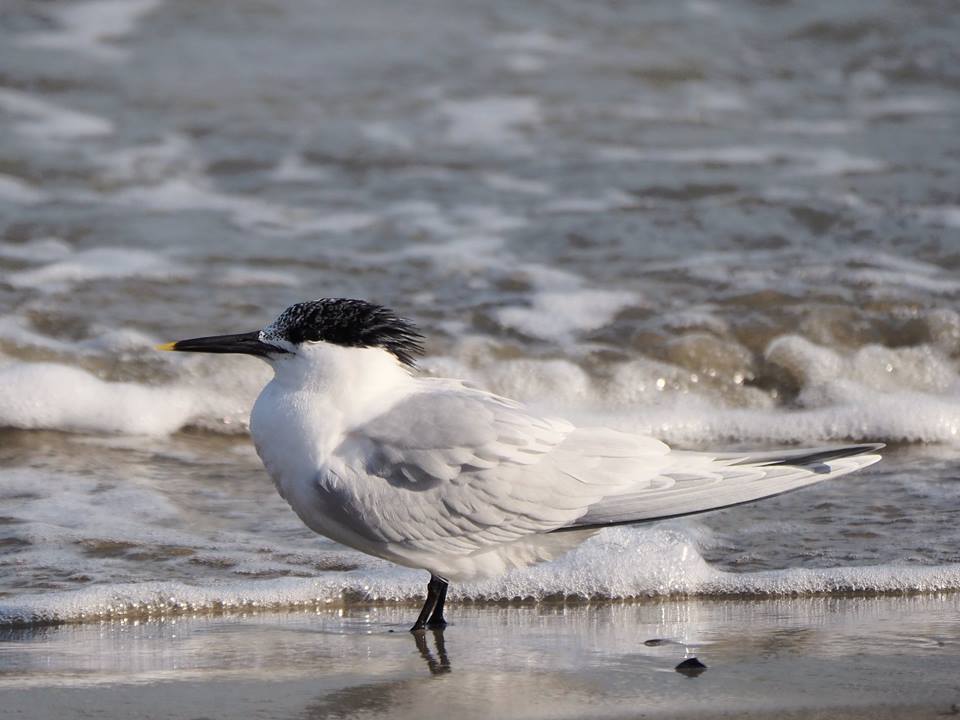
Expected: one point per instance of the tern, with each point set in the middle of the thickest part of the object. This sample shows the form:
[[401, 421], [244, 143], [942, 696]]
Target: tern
[[436, 474]]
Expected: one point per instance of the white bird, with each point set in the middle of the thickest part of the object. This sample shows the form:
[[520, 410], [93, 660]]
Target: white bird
[[435, 474]]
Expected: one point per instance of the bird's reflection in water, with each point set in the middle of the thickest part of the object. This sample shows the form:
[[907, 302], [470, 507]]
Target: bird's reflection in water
[[381, 699], [439, 665]]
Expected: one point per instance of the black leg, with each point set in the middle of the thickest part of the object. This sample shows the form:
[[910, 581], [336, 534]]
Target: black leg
[[434, 588], [436, 621]]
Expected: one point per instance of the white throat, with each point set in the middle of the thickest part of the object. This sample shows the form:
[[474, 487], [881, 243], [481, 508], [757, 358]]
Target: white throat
[[318, 394], [355, 381]]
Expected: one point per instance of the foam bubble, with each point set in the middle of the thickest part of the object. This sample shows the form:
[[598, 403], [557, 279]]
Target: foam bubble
[[701, 398], [45, 120], [60, 397], [618, 563], [611, 200], [211, 395], [533, 380], [903, 105], [387, 135], [803, 161], [524, 63], [294, 169], [947, 216], [801, 126], [96, 264], [17, 191], [149, 163], [560, 314], [243, 277], [36, 250], [196, 193], [534, 41], [455, 223], [509, 183], [88, 27], [561, 307], [495, 122], [20, 332], [871, 367]]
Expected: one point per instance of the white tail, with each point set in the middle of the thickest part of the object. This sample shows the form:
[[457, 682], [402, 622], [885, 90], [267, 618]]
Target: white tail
[[700, 482]]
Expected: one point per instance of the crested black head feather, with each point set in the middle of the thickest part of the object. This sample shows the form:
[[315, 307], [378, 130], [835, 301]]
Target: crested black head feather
[[351, 323]]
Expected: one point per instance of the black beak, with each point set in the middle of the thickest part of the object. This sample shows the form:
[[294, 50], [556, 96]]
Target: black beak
[[244, 343]]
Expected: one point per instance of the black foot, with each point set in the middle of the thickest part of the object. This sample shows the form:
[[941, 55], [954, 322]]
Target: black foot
[[431, 616]]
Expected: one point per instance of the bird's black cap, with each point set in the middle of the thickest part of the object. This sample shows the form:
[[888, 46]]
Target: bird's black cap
[[350, 323]]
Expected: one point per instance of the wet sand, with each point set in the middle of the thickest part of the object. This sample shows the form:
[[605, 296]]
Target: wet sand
[[822, 657]]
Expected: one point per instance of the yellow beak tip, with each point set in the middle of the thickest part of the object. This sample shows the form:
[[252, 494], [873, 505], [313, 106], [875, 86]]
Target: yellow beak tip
[[166, 346]]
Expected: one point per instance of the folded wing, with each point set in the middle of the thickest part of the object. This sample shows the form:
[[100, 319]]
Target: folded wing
[[457, 470]]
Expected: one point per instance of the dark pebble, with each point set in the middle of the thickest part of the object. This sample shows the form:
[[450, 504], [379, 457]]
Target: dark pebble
[[691, 667], [655, 642]]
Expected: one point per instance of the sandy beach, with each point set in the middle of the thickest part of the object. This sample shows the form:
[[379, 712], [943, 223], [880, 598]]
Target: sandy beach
[[821, 657]]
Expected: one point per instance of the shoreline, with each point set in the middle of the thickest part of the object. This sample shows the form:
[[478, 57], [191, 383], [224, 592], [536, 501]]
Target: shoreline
[[883, 657], [248, 610]]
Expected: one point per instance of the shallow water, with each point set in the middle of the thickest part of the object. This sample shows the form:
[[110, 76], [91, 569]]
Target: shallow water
[[726, 224], [892, 657]]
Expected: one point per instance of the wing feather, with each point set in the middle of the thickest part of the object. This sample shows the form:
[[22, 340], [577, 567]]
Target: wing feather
[[457, 470], [454, 470]]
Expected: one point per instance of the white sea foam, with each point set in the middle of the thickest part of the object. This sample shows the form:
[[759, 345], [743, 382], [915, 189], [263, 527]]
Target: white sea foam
[[803, 126], [904, 105], [619, 563], [89, 27], [695, 102], [858, 395], [17, 191], [45, 120], [704, 8], [493, 122], [561, 306], [561, 314], [803, 161], [38, 250], [294, 169], [197, 193], [385, 134], [96, 264], [844, 395], [534, 41], [149, 163], [166, 176], [18, 331], [61, 397], [54, 396], [836, 161], [523, 63], [946, 216], [452, 223], [531, 51], [509, 183], [611, 200], [243, 277]]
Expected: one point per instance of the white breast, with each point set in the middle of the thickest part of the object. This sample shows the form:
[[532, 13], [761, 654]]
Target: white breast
[[315, 397]]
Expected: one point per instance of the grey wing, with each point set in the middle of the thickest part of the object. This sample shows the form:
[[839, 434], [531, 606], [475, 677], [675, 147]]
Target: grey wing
[[457, 470], [699, 482]]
